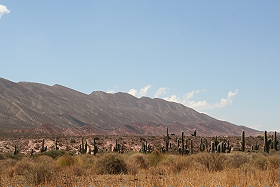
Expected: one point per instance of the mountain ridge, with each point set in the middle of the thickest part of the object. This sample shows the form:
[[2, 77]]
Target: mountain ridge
[[39, 108]]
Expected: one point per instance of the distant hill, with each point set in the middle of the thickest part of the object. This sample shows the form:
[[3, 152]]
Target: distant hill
[[33, 108]]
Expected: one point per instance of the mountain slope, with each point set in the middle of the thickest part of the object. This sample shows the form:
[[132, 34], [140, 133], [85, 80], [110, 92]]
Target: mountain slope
[[32, 108]]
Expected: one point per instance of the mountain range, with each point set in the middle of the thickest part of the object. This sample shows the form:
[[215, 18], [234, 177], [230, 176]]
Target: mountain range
[[33, 109]]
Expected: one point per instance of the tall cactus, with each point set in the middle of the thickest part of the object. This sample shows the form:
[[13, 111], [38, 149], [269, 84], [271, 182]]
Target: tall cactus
[[32, 152], [243, 145], [191, 148], [206, 144], [275, 141], [213, 147], [167, 138], [144, 147], [266, 143], [118, 147], [202, 145], [56, 145], [43, 147], [187, 143], [16, 151], [221, 148], [216, 141], [83, 147], [183, 145], [228, 147], [178, 144], [95, 148]]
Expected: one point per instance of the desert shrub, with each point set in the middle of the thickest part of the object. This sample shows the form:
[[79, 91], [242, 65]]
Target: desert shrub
[[175, 164], [34, 171], [21, 167], [236, 160], [155, 158], [11, 156], [111, 164], [77, 171], [212, 162], [260, 161], [66, 160], [39, 173], [2, 157], [136, 162], [85, 161], [54, 153], [139, 161], [6, 166], [274, 161]]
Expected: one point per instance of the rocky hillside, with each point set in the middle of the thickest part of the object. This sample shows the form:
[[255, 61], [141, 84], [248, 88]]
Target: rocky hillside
[[32, 108]]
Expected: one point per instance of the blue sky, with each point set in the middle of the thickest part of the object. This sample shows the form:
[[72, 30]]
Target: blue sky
[[219, 57]]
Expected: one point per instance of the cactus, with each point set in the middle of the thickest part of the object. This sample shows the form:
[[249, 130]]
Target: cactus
[[191, 148], [86, 147], [221, 147], [242, 142], [213, 147], [216, 142], [118, 147], [266, 147], [167, 138], [144, 147], [89, 150], [202, 145], [187, 143], [43, 147], [206, 143], [275, 141], [32, 152], [183, 145], [266, 143], [83, 147], [194, 133], [228, 147], [95, 148], [56, 145], [16, 151], [257, 147], [178, 144]]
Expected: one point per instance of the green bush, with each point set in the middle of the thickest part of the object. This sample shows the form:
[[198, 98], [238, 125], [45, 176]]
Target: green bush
[[54, 153]]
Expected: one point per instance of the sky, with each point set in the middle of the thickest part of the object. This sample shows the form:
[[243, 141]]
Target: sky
[[218, 57]]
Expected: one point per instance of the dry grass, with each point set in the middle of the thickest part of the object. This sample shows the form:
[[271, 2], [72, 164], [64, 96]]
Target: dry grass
[[115, 170]]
